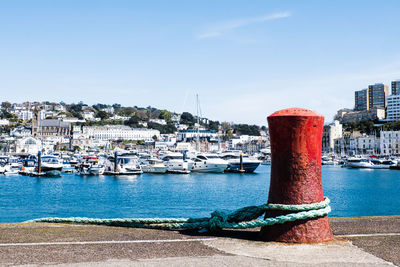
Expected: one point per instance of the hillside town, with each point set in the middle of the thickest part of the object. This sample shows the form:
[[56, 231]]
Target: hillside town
[[29, 127], [372, 127]]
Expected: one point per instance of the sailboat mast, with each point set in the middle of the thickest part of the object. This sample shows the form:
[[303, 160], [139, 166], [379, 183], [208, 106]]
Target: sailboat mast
[[198, 124]]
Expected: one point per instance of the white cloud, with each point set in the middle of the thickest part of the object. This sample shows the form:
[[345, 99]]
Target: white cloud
[[224, 27]]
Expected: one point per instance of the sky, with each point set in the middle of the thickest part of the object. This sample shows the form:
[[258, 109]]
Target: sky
[[244, 59]]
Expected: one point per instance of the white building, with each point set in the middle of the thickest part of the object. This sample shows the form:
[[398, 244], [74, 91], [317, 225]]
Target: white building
[[330, 133], [118, 132], [28, 145], [365, 145], [88, 114], [184, 135], [390, 143], [393, 108], [25, 115], [4, 122]]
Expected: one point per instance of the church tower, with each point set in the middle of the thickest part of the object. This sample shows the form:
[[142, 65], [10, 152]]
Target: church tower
[[36, 122]]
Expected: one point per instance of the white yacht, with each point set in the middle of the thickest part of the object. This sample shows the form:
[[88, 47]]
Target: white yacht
[[3, 163], [382, 164], [358, 163], [177, 163], [209, 163], [233, 157], [50, 163], [90, 165], [153, 165], [127, 164], [13, 166]]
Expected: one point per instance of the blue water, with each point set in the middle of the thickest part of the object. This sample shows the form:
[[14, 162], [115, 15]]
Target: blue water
[[353, 192]]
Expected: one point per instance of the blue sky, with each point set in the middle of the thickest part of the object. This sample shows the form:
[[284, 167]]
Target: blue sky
[[245, 59]]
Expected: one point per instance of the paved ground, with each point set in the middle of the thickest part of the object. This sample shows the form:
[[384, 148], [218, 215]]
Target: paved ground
[[366, 241]]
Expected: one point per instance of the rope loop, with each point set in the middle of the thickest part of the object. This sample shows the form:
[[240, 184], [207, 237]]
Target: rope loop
[[239, 219]]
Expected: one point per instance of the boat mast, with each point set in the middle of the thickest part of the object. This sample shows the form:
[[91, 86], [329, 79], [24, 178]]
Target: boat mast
[[198, 124]]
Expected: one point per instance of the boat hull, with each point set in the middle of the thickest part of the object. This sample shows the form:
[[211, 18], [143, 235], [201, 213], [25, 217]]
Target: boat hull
[[247, 167]]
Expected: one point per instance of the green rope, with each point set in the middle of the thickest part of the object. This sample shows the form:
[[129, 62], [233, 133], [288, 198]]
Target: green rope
[[240, 219]]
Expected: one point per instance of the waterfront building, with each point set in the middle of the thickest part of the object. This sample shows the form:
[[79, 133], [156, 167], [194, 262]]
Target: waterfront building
[[396, 87], [82, 142], [347, 115], [356, 143], [361, 99], [390, 143], [393, 108], [120, 132], [377, 94], [330, 133], [365, 145], [28, 145], [342, 145], [191, 134]]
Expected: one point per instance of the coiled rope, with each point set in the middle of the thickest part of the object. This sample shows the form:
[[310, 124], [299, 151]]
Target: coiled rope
[[240, 219]]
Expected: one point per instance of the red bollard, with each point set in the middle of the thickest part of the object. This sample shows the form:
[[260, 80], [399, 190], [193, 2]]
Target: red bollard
[[296, 140]]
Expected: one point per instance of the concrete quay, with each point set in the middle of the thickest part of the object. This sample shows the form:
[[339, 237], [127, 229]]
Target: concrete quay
[[359, 241]]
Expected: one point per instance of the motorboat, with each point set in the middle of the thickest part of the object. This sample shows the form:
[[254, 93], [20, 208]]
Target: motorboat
[[177, 162], [3, 163], [127, 164], [50, 163], [28, 165], [13, 166], [325, 160], [358, 163], [90, 165], [237, 162], [209, 163], [382, 164], [153, 165]]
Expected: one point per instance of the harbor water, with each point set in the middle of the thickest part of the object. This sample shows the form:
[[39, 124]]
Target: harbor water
[[353, 192]]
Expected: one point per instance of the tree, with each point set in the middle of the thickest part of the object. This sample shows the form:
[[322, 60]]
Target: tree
[[165, 115], [245, 129], [164, 129], [187, 118], [127, 111], [5, 105], [133, 121], [213, 125], [102, 115], [99, 106]]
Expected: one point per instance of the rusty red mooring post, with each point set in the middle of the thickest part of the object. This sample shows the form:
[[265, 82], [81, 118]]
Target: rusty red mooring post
[[296, 138]]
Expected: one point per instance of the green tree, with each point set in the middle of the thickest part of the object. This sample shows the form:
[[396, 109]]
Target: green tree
[[5, 105], [187, 118], [102, 115]]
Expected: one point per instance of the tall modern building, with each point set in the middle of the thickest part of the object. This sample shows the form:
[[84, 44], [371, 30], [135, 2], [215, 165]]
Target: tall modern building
[[377, 94], [393, 108], [361, 100], [396, 87]]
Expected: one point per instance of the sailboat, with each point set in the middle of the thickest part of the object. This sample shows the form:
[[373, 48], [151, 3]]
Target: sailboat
[[206, 162]]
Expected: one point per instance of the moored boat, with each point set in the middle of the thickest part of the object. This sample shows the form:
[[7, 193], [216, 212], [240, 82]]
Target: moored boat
[[209, 163], [237, 162]]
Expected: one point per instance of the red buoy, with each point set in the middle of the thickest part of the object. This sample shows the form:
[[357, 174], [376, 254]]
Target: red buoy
[[296, 140]]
